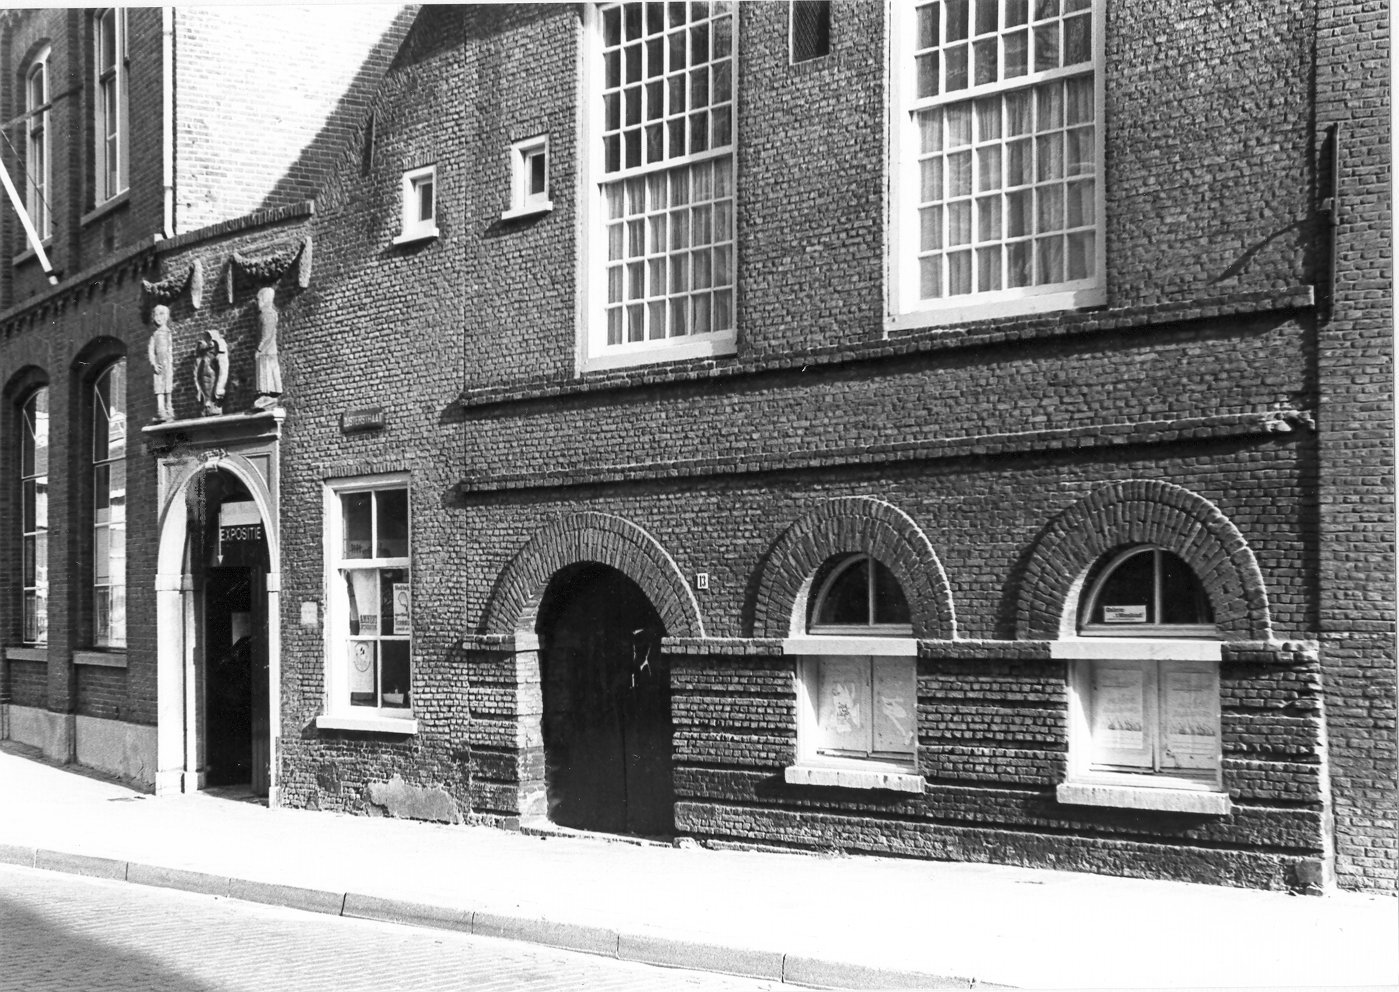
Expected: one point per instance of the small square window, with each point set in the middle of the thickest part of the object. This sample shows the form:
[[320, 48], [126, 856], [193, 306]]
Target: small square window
[[811, 29], [529, 178], [419, 205]]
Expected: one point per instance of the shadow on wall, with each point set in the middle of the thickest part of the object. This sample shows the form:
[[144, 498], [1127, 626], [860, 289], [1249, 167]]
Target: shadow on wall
[[306, 176]]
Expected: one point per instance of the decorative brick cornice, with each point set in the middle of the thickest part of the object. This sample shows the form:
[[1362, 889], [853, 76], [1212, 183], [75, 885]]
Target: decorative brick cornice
[[860, 524], [591, 537], [1143, 512], [977, 334], [1263, 423]]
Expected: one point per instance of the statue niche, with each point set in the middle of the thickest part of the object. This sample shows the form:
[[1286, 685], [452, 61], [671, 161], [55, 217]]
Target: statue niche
[[211, 372]]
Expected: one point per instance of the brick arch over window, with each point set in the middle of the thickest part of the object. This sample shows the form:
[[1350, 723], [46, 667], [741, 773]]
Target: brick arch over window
[[592, 537], [1142, 512], [853, 524], [24, 382]]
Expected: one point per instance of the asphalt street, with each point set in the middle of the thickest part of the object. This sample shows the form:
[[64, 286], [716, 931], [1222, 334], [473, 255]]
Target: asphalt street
[[65, 933]]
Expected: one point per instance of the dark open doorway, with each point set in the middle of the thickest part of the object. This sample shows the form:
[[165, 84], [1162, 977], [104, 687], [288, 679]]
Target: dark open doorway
[[228, 544], [228, 626], [606, 687]]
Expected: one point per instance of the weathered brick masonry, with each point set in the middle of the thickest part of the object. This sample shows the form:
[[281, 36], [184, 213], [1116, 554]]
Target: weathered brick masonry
[[1194, 411], [1228, 404], [169, 215]]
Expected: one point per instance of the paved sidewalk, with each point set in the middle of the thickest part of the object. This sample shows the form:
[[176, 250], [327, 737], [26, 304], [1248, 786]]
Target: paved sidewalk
[[807, 920]]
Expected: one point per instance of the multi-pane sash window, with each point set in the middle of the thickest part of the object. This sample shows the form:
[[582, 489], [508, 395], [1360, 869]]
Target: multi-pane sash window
[[374, 610], [109, 150], [666, 161], [34, 527], [37, 168], [1000, 183], [109, 506]]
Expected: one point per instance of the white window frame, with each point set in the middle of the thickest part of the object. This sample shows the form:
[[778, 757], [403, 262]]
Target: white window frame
[[1154, 653], [816, 643], [524, 202], [108, 135], [593, 351], [338, 713], [904, 308], [34, 427], [37, 147], [113, 635], [412, 226]]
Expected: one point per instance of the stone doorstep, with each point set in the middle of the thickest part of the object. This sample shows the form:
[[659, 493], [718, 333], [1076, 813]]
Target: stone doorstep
[[653, 948]]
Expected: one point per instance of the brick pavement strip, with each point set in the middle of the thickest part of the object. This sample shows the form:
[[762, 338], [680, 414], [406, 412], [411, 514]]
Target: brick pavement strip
[[65, 933]]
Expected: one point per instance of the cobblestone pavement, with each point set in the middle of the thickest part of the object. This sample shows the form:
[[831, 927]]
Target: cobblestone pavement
[[63, 933]]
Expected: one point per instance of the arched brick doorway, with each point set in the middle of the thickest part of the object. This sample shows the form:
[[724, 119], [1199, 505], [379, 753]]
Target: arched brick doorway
[[606, 698]]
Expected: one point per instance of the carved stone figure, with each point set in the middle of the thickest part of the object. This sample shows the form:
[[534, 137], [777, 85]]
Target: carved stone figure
[[160, 352], [269, 369], [211, 372]]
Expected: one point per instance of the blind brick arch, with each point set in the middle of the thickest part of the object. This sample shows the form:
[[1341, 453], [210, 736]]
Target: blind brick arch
[[853, 524], [1143, 512], [596, 537]]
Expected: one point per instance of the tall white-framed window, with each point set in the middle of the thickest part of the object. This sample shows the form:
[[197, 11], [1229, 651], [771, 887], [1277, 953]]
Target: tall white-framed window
[[368, 605], [419, 197], [37, 168], [996, 130], [529, 178], [109, 507], [658, 135], [1144, 721], [34, 516], [857, 698], [110, 126]]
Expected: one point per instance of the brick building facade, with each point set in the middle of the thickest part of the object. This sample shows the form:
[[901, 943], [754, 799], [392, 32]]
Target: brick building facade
[[938, 430], [124, 146]]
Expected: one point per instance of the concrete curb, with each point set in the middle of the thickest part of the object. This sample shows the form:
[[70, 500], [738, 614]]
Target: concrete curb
[[638, 947]]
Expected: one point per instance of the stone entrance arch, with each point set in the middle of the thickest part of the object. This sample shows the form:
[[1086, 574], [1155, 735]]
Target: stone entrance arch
[[182, 722], [569, 569]]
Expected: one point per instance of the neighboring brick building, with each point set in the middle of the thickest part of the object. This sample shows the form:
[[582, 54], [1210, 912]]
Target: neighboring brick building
[[930, 429], [132, 136]]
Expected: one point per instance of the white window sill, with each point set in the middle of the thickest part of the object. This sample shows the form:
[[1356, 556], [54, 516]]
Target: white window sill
[[1135, 649], [1144, 797], [529, 210], [368, 723], [100, 659], [29, 254], [851, 778], [104, 208], [971, 309], [652, 353], [27, 653], [897, 647], [411, 237]]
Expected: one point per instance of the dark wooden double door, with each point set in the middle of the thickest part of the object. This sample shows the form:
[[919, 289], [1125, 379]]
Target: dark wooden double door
[[607, 726]]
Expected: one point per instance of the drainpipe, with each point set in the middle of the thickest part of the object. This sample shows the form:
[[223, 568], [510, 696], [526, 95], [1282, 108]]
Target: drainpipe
[[167, 111]]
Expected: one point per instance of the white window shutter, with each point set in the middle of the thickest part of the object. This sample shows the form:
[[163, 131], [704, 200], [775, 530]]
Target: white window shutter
[[1121, 714], [1189, 715]]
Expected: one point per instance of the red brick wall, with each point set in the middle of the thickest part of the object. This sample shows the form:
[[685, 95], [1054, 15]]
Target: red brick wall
[[1198, 374], [1355, 368]]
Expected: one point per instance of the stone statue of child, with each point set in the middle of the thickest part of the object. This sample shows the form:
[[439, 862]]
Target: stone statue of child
[[211, 372], [269, 369], [160, 352]]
